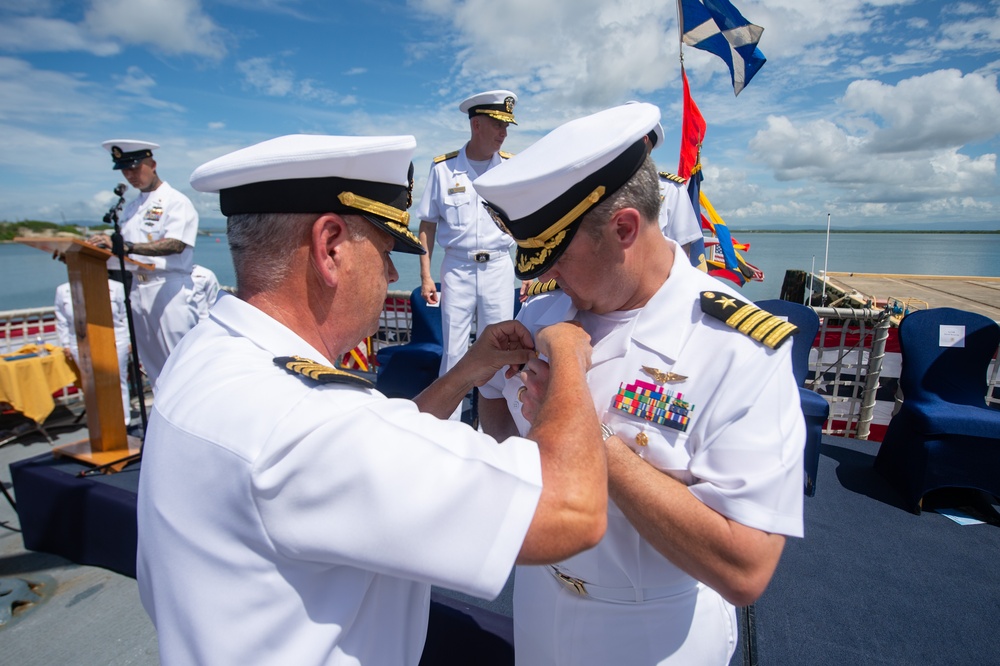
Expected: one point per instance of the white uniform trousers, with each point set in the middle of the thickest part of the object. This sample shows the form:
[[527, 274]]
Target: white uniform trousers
[[485, 290], [164, 309], [553, 625]]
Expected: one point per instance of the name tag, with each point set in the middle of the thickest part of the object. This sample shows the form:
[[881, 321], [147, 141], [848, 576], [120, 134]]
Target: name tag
[[456, 190]]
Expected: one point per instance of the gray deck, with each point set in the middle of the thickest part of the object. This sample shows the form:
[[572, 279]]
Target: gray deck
[[89, 615], [971, 293]]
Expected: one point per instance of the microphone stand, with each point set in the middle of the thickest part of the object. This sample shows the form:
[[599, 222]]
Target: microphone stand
[[118, 249]]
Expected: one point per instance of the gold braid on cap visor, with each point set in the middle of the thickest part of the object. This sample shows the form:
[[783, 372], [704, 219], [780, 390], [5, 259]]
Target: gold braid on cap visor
[[395, 219], [553, 237]]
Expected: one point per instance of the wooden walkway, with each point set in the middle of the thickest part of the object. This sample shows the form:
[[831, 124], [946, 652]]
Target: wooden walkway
[[916, 292]]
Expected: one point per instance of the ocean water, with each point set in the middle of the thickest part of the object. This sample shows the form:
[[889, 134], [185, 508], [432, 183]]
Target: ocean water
[[29, 277]]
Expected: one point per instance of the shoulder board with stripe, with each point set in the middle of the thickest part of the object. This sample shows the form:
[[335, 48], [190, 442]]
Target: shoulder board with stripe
[[447, 156], [536, 288], [506, 155], [323, 374], [672, 176], [761, 325]]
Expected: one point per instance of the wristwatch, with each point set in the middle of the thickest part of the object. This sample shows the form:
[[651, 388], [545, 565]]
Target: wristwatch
[[606, 431]]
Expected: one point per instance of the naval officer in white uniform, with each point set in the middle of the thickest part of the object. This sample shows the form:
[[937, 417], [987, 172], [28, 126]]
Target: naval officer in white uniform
[[159, 227], [477, 276], [703, 426], [288, 512]]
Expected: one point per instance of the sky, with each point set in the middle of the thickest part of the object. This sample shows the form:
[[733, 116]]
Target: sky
[[882, 114]]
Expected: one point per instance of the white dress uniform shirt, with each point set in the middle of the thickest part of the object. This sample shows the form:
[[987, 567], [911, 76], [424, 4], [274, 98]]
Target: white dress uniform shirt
[[162, 299], [741, 454], [67, 333], [677, 219], [286, 521], [464, 229]]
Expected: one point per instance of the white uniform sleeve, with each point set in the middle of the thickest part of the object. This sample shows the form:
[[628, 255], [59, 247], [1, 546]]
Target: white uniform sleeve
[[386, 488], [677, 218], [181, 219], [750, 469], [429, 208]]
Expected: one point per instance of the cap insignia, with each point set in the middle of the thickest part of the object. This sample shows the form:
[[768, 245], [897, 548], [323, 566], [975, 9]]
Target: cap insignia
[[508, 103], [116, 152], [761, 325], [542, 240], [374, 207], [318, 372]]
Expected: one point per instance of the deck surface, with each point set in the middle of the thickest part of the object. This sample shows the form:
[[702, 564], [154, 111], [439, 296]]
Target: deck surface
[[971, 293]]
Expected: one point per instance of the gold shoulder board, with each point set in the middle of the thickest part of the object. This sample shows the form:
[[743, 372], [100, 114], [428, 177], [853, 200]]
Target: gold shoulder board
[[748, 319], [447, 156], [504, 154], [536, 287], [672, 176], [323, 374]]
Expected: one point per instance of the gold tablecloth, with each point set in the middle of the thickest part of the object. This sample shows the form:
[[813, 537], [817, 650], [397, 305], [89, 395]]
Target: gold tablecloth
[[27, 384]]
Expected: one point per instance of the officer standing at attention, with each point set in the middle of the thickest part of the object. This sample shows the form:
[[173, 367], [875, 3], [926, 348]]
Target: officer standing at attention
[[159, 227], [477, 276], [290, 513], [703, 427]]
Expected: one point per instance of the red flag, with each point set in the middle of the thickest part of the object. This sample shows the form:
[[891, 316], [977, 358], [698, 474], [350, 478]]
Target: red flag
[[692, 134]]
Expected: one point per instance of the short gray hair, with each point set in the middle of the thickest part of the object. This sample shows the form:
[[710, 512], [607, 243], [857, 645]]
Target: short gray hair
[[261, 245], [641, 191]]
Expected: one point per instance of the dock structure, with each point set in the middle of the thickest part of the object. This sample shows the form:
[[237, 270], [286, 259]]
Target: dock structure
[[902, 293]]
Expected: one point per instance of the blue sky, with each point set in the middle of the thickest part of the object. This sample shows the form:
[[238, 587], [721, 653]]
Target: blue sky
[[885, 114]]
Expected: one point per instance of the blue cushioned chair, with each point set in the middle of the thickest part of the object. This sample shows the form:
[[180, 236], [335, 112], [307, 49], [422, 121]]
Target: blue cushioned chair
[[944, 434], [815, 408], [406, 370]]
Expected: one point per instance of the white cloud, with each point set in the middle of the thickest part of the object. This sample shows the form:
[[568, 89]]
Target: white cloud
[[37, 34], [276, 81], [937, 110], [174, 27], [570, 56]]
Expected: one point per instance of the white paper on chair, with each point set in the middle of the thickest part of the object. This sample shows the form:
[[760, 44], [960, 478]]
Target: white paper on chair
[[959, 516], [951, 336]]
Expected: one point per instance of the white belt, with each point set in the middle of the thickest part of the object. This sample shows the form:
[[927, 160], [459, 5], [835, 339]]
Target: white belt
[[619, 595], [482, 256]]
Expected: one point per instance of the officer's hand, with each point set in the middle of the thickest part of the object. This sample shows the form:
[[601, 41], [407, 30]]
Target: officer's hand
[[565, 338], [535, 377], [429, 291], [507, 343], [101, 241]]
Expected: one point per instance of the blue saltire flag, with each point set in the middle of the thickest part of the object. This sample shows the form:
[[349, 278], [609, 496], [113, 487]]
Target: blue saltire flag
[[718, 27]]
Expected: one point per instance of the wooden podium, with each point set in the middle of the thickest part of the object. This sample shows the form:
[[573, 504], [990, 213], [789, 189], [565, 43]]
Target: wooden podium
[[87, 266]]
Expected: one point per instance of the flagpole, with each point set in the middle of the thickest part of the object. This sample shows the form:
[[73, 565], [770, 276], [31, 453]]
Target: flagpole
[[826, 260]]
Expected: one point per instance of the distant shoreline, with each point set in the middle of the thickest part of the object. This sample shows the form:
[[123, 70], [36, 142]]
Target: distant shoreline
[[222, 232], [860, 231]]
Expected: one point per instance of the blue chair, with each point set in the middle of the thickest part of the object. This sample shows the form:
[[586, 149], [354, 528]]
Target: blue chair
[[944, 434], [407, 369], [815, 408]]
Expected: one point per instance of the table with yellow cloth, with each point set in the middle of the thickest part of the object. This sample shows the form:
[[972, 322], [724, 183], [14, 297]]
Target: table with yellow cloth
[[27, 383]]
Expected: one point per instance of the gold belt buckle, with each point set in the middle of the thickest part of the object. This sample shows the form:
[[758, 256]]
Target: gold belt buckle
[[570, 583], [482, 257]]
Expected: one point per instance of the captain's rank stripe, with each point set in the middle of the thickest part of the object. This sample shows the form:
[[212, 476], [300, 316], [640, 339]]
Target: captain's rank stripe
[[748, 319]]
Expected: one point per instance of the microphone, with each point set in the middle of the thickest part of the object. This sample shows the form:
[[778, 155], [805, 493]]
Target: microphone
[[120, 189]]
